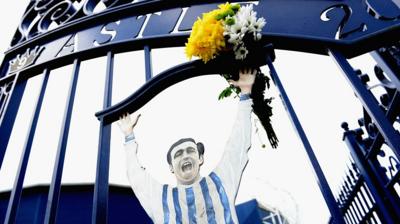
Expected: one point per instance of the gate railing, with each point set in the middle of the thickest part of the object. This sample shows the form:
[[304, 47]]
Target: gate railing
[[37, 49], [371, 190], [355, 199]]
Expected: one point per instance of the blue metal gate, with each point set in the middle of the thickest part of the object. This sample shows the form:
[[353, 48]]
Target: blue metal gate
[[57, 33]]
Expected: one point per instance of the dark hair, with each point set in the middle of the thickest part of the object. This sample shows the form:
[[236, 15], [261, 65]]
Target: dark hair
[[200, 147]]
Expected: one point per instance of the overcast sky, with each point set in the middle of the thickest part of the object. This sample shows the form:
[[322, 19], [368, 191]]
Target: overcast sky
[[281, 178]]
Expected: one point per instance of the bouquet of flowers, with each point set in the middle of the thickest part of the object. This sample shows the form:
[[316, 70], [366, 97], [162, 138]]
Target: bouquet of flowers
[[228, 27], [233, 30]]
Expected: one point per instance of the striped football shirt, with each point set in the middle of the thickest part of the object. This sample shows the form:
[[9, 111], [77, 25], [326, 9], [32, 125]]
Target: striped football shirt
[[209, 200]]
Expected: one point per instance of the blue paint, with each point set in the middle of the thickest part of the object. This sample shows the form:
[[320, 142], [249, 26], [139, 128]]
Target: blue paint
[[55, 187], [223, 197], [100, 199], [177, 206], [17, 188], [9, 114], [191, 204], [208, 201], [370, 104], [165, 203], [147, 63]]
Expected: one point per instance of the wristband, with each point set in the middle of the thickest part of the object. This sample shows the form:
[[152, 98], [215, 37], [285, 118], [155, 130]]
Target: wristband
[[244, 97], [130, 137]]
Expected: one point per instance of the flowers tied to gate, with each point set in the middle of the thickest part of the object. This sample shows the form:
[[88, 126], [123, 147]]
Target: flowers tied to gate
[[230, 27]]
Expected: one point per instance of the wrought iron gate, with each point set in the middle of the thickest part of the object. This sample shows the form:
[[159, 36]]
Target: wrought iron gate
[[57, 33]]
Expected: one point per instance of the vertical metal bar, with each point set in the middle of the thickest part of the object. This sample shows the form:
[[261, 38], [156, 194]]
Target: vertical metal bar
[[147, 63], [347, 191], [347, 214], [364, 201], [100, 199], [346, 219], [351, 215], [349, 218], [322, 183], [17, 189], [356, 210], [369, 102], [10, 113], [359, 205], [376, 218], [370, 202], [54, 191], [368, 221], [372, 221], [372, 218]]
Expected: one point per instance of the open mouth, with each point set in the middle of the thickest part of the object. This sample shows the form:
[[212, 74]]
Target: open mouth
[[186, 166]]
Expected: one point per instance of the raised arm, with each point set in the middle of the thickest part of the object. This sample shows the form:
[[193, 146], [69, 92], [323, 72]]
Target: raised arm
[[146, 189], [235, 157]]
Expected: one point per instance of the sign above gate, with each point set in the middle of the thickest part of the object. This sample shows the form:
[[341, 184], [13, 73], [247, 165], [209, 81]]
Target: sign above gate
[[62, 28]]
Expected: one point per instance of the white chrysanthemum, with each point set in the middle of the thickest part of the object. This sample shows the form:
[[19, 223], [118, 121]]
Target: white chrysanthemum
[[242, 21], [241, 53], [235, 28], [256, 25], [246, 18], [244, 29], [252, 18], [260, 23], [235, 38], [245, 11], [245, 23]]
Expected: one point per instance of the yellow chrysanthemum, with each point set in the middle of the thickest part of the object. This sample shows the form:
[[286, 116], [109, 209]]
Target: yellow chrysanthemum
[[225, 7], [207, 38]]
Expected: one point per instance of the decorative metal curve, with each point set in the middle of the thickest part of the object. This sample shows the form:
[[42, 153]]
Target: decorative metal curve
[[172, 76], [347, 26], [4, 94], [151, 88]]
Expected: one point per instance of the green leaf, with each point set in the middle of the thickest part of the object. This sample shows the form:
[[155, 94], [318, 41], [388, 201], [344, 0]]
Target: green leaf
[[219, 16], [235, 7], [230, 12], [229, 21], [237, 90], [221, 95], [225, 93]]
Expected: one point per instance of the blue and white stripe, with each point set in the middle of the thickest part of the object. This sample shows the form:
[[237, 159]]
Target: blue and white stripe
[[177, 206], [165, 204], [223, 197], [204, 202], [191, 204]]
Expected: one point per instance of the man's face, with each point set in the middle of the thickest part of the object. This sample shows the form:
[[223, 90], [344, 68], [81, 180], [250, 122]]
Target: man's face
[[186, 162]]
